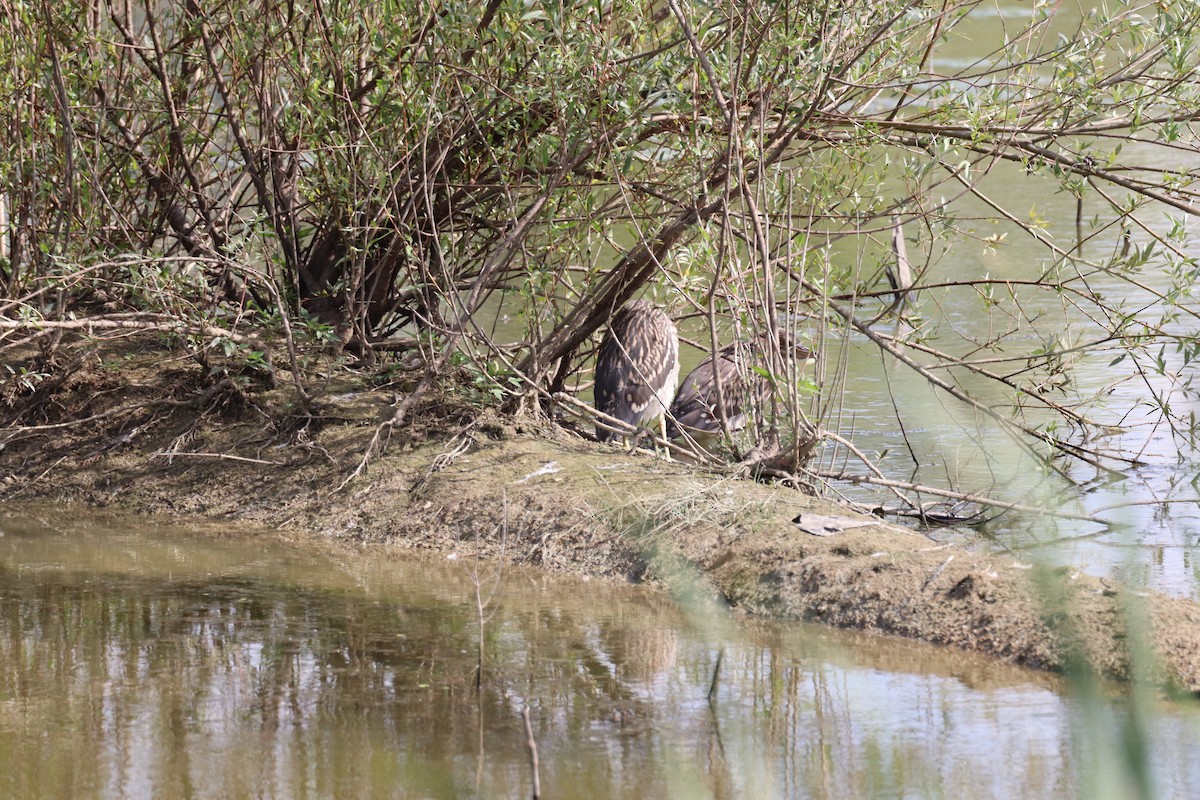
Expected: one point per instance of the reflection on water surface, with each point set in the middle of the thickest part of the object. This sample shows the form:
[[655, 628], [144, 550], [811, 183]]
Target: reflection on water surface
[[158, 662]]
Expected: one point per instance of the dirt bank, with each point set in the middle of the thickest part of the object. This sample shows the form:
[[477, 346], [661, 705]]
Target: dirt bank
[[165, 440]]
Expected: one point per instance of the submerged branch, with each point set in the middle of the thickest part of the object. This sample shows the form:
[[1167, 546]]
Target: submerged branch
[[982, 500]]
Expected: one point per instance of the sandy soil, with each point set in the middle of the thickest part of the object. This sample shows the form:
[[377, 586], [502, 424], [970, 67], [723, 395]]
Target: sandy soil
[[162, 438]]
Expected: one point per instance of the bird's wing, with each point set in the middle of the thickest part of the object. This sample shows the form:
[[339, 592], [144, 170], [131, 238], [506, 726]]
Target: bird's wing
[[695, 405]]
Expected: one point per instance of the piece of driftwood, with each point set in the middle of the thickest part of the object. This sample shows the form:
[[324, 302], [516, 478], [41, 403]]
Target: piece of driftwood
[[824, 525]]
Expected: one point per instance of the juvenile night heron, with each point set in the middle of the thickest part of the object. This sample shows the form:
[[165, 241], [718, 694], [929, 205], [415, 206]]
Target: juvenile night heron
[[697, 407], [637, 367]]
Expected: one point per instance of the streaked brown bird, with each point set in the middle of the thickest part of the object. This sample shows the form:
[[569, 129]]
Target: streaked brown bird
[[637, 368], [696, 408]]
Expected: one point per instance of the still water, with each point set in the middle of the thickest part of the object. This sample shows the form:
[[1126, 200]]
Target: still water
[[916, 433], [1146, 528], [139, 660], [1153, 509]]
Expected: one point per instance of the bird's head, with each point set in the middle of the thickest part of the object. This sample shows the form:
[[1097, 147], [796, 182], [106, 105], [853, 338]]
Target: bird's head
[[790, 344]]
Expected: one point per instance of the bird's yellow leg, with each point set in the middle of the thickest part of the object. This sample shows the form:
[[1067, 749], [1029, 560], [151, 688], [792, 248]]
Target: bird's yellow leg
[[662, 429]]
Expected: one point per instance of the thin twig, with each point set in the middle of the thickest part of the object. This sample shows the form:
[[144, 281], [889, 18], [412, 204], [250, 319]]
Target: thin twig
[[531, 743], [222, 456], [937, 572], [16, 431], [716, 676], [970, 498], [158, 323]]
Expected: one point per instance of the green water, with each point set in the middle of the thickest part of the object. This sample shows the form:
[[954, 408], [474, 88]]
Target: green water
[[914, 432], [139, 660]]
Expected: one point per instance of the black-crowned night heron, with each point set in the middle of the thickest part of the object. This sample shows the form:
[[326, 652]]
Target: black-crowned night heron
[[696, 409], [637, 367]]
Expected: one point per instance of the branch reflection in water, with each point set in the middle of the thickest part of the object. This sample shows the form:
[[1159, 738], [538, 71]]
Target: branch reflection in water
[[142, 661]]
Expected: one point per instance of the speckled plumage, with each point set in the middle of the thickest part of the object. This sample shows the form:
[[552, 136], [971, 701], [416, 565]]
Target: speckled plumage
[[694, 409], [637, 367]]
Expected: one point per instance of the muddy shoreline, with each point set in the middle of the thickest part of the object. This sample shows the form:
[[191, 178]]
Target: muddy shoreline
[[524, 491]]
